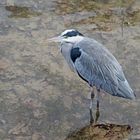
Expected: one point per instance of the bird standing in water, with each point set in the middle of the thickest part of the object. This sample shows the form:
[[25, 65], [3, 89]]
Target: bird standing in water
[[94, 64]]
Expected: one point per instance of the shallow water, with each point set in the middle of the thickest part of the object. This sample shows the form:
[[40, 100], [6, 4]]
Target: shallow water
[[40, 98]]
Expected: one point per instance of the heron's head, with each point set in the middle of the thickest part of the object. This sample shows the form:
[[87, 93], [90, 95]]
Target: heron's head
[[70, 36]]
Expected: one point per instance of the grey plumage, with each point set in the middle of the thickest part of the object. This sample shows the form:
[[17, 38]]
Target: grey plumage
[[94, 63], [99, 67]]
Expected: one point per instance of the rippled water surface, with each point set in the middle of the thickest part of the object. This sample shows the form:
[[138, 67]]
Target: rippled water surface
[[40, 98]]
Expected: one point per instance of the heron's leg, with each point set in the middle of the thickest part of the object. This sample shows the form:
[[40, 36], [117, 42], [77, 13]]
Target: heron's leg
[[91, 105], [91, 117], [97, 106]]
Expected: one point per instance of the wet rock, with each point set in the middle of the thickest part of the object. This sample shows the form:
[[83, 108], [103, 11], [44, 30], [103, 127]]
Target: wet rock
[[101, 132]]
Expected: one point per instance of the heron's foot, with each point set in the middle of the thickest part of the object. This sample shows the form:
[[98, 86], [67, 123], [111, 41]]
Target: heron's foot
[[91, 116]]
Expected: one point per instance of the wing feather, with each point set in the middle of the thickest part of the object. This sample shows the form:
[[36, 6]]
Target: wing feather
[[101, 69], [94, 73]]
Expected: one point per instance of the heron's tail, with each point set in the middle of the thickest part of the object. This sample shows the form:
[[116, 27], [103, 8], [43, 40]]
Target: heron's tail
[[125, 91]]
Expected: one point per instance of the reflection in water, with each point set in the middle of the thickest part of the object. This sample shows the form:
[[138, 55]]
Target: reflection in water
[[101, 132]]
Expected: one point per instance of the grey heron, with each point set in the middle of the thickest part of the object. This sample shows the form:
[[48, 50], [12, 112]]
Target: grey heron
[[94, 64]]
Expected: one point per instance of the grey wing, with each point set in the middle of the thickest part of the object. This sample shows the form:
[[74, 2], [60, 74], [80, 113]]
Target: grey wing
[[95, 74], [99, 67]]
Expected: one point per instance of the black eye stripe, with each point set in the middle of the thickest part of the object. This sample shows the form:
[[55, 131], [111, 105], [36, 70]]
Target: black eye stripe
[[72, 33]]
